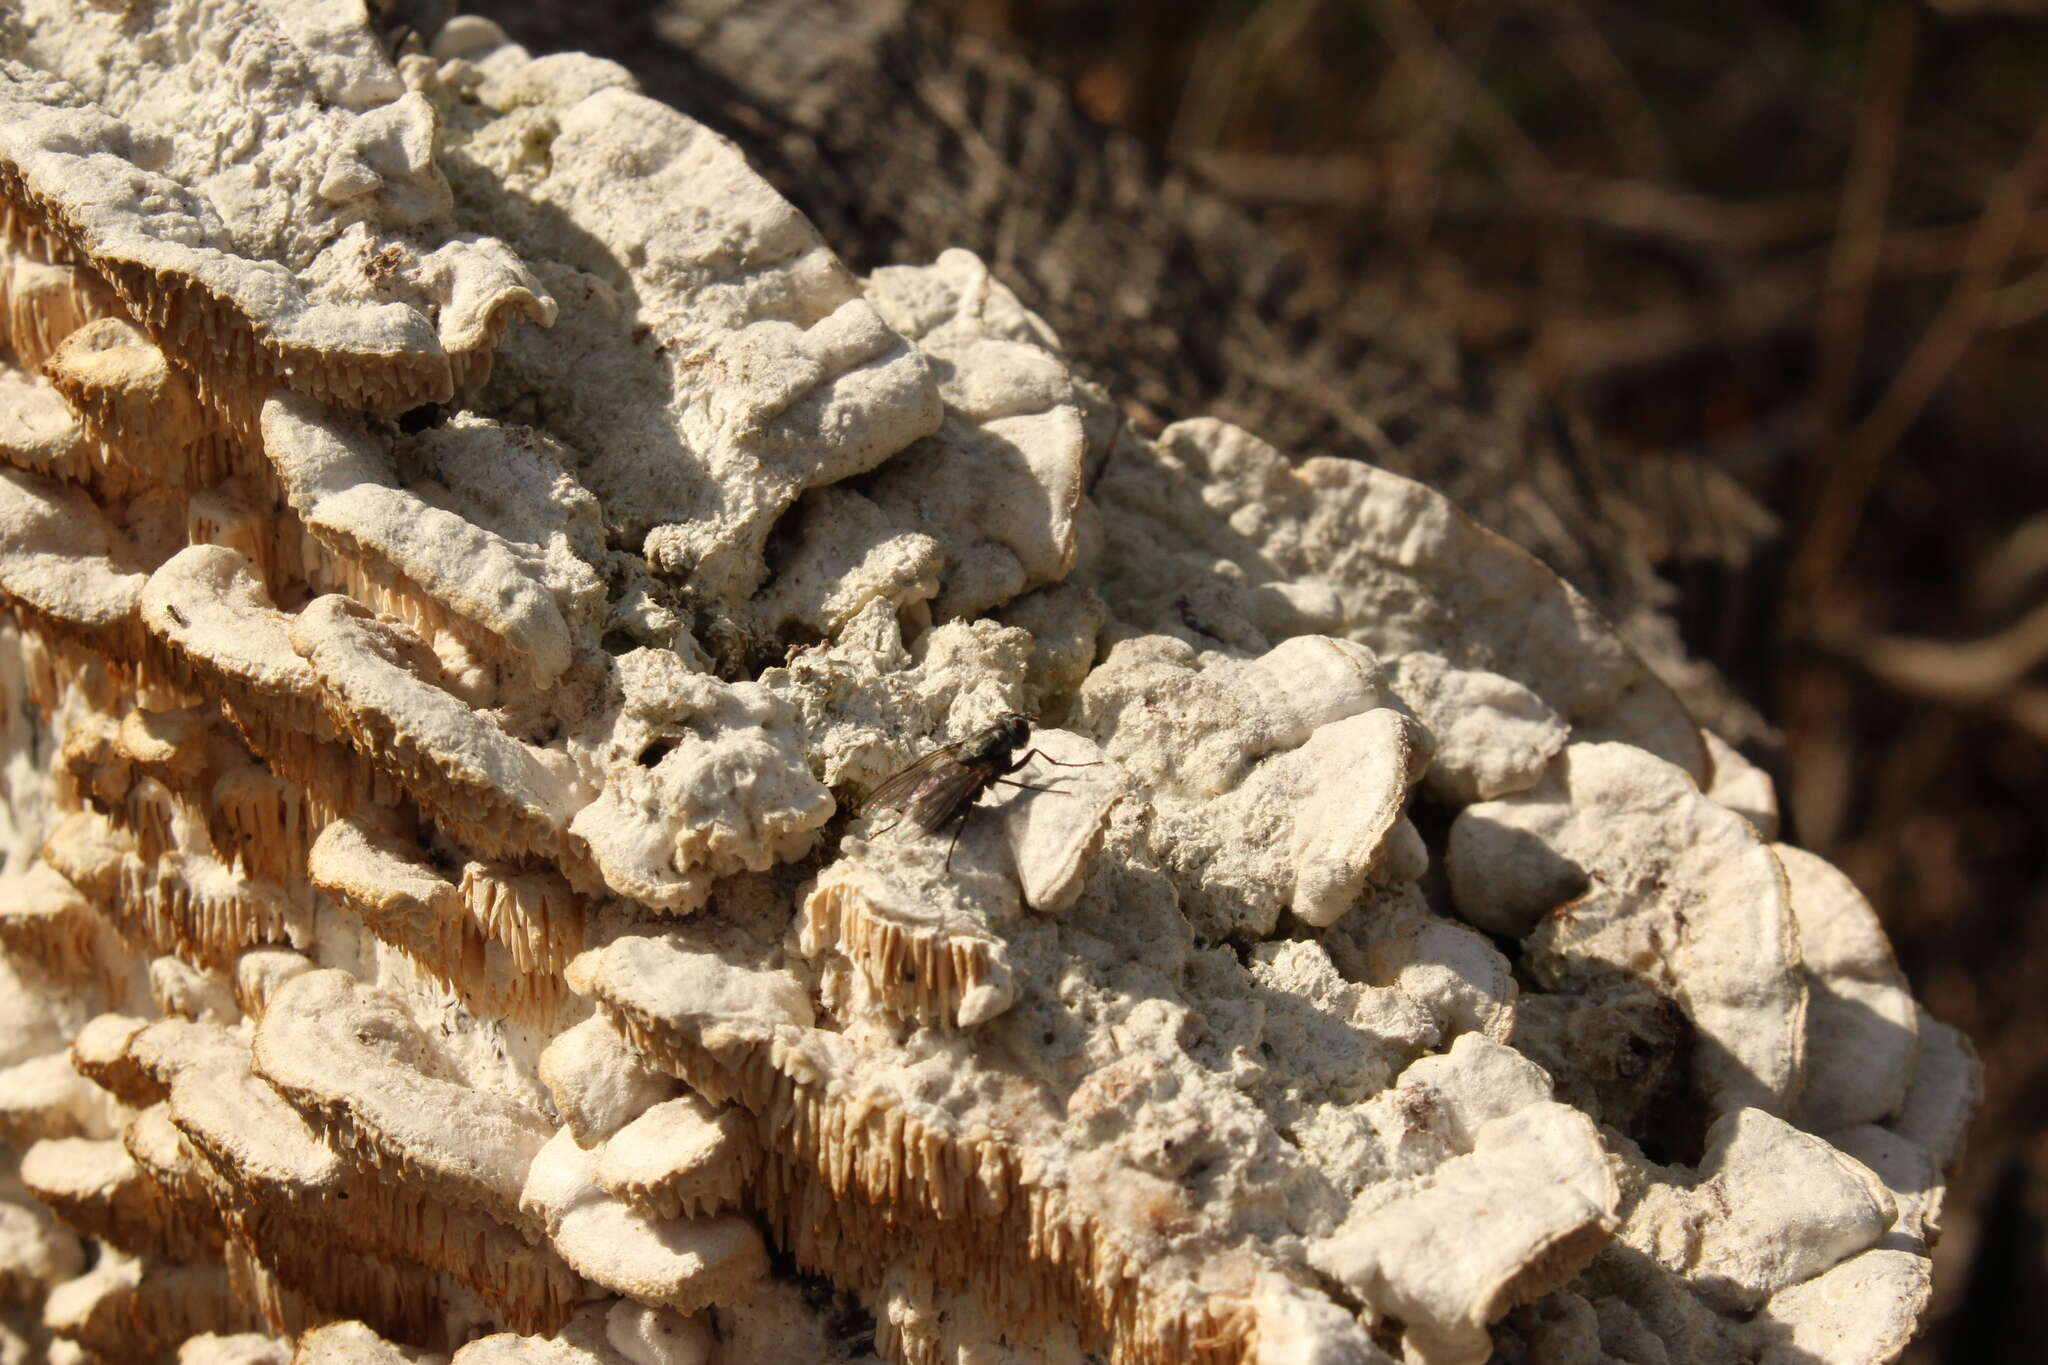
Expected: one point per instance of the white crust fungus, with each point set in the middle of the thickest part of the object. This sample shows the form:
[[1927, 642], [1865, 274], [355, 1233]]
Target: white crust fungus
[[1616, 865], [1861, 1024], [442, 910]]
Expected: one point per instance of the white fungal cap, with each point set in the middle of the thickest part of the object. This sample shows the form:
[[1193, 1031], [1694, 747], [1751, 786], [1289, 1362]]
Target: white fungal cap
[[1770, 1207], [1523, 1201], [681, 1158], [1741, 786], [238, 1348], [1493, 736], [1615, 864], [353, 1343], [920, 917], [683, 1264], [1861, 1034], [1293, 791], [350, 1055], [105, 146], [378, 679], [343, 484], [60, 559], [35, 1253], [598, 1083], [700, 779]]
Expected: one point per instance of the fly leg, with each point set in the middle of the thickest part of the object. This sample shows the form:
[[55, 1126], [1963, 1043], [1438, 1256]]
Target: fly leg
[[1030, 754]]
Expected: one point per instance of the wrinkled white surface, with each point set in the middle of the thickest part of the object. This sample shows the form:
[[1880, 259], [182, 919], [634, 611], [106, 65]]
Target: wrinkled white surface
[[1618, 864], [598, 664]]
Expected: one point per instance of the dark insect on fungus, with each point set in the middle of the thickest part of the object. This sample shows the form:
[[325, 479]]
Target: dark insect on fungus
[[942, 786]]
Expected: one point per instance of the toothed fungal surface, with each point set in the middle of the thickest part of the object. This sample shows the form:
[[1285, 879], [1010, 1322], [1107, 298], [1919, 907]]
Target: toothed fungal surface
[[470, 552]]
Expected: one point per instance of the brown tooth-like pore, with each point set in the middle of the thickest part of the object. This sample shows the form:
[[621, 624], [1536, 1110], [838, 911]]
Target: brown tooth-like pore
[[296, 1199], [351, 1059], [127, 1309], [42, 304], [180, 1174], [213, 624], [921, 920], [137, 405], [97, 1188], [41, 435], [857, 1178], [185, 903], [504, 961], [925, 944], [693, 1013]]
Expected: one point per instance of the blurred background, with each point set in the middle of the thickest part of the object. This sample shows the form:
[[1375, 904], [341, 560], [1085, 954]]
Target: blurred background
[[1736, 313]]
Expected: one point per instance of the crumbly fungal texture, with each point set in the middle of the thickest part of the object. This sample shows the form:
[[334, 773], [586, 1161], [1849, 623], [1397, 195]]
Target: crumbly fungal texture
[[467, 551]]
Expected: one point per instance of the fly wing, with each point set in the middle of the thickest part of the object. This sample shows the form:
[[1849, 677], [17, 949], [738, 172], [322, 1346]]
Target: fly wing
[[901, 787], [946, 792]]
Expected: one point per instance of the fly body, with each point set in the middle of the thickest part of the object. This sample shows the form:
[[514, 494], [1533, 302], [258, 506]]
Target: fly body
[[940, 787]]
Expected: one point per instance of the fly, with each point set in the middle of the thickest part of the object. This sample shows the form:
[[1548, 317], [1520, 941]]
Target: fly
[[942, 786]]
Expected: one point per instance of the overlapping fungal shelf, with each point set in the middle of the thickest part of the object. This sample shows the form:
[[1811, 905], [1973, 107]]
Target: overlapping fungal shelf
[[467, 547]]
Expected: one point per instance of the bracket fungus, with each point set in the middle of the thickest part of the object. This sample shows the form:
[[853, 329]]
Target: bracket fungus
[[468, 553]]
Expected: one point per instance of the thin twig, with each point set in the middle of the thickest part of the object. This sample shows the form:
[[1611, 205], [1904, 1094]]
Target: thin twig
[[1640, 207], [1859, 235], [2003, 575], [1231, 67], [1852, 474], [1518, 159], [1937, 250], [1607, 81], [2020, 302], [1965, 672]]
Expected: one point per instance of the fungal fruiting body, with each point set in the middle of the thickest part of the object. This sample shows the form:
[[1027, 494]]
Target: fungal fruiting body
[[466, 545]]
